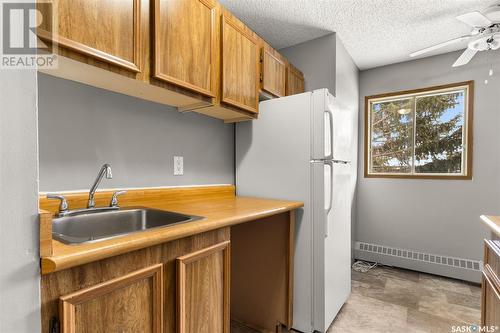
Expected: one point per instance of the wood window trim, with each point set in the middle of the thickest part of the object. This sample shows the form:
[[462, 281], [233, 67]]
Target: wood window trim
[[469, 132]]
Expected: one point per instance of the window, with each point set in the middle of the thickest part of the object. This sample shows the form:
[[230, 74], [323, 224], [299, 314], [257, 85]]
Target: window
[[424, 133]]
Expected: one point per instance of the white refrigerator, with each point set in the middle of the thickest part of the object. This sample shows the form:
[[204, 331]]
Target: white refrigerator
[[302, 148]]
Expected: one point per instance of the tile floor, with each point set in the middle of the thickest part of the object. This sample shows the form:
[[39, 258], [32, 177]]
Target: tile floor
[[392, 300]]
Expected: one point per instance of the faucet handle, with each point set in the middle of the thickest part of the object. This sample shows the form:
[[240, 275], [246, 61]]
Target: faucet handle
[[63, 206], [114, 198]]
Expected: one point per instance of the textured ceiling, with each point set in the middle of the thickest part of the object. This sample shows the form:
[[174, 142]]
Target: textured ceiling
[[375, 32]]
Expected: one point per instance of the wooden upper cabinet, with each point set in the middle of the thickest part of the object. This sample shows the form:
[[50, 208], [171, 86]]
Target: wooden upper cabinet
[[185, 47], [240, 67], [107, 30], [203, 290], [294, 81], [131, 303], [273, 73]]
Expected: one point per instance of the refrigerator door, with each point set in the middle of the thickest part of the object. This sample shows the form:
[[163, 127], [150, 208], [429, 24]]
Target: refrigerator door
[[273, 161], [331, 128], [337, 243], [332, 240]]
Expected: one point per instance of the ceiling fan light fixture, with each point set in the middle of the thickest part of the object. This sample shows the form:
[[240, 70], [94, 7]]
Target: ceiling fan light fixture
[[484, 35], [493, 13]]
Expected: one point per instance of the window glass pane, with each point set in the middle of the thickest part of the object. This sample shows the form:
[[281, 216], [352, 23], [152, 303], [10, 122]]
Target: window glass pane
[[392, 136], [439, 121]]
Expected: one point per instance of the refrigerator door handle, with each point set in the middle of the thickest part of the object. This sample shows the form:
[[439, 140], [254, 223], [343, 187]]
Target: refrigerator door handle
[[329, 208], [330, 117]]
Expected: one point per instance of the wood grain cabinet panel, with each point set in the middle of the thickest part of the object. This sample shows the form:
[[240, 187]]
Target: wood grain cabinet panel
[[490, 297], [294, 81], [107, 30], [203, 290], [273, 74], [185, 43], [240, 67], [490, 307], [131, 303]]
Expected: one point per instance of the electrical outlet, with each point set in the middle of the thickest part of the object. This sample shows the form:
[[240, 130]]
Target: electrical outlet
[[178, 165]]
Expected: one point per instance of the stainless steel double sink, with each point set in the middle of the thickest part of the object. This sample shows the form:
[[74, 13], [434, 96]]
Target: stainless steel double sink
[[101, 224]]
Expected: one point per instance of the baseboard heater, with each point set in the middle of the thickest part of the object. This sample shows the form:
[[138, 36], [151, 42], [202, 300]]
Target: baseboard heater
[[462, 263]]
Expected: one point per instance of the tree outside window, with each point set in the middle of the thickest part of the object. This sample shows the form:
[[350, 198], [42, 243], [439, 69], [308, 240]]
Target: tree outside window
[[425, 133]]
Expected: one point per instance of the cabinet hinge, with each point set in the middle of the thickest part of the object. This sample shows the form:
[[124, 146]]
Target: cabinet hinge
[[261, 77], [54, 326], [261, 57]]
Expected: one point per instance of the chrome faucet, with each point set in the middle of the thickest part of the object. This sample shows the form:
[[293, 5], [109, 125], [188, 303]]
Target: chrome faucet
[[105, 170]]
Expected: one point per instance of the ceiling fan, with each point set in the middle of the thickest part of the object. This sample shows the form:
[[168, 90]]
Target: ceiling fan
[[485, 35]]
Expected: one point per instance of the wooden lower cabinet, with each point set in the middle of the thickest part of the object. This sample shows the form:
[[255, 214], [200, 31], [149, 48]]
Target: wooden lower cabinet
[[125, 302], [490, 298], [195, 284], [203, 290], [130, 303]]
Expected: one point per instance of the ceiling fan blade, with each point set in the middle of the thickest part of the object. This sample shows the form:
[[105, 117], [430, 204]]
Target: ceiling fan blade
[[475, 19], [465, 57], [440, 45]]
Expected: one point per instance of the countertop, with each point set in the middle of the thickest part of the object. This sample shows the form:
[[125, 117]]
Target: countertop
[[219, 206], [493, 222]]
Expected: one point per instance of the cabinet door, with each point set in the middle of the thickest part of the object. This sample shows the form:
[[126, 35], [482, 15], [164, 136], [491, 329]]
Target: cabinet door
[[107, 30], [294, 81], [240, 67], [490, 307], [203, 290], [185, 43], [273, 74], [131, 303]]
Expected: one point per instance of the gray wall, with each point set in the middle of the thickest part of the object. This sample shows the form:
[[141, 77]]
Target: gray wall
[[347, 96], [326, 63], [436, 216], [82, 127], [316, 60], [19, 239]]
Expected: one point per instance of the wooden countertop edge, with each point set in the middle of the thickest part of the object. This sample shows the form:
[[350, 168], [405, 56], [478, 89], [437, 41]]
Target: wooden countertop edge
[[149, 238], [492, 222]]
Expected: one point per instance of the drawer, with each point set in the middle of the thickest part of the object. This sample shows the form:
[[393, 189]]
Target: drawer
[[490, 300], [492, 256]]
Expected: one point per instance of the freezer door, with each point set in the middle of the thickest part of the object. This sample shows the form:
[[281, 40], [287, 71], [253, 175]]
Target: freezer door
[[333, 134]]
